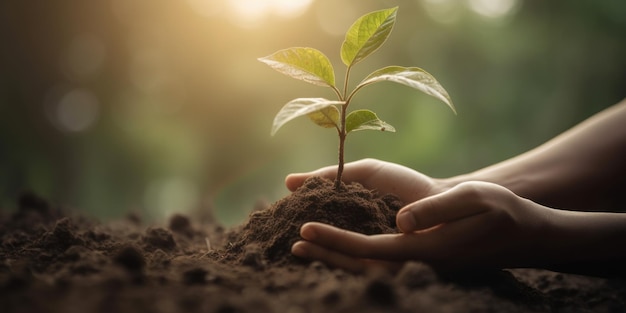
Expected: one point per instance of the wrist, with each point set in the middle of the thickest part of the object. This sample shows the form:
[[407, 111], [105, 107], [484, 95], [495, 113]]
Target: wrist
[[586, 236]]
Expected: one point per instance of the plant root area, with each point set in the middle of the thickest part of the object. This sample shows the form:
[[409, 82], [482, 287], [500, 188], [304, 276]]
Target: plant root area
[[53, 260]]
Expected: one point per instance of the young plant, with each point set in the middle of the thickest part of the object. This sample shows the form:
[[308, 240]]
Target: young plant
[[363, 38]]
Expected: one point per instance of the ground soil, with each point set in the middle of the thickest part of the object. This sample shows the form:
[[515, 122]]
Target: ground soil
[[56, 261]]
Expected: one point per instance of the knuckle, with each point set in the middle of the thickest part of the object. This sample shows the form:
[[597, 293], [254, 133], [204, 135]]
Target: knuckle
[[473, 192], [486, 194]]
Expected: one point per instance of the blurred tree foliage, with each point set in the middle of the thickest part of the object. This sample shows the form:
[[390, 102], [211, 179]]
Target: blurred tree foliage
[[160, 107]]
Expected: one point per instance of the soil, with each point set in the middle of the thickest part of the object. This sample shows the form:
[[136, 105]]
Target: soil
[[55, 261]]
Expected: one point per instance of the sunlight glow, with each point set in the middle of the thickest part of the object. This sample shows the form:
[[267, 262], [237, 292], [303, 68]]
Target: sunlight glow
[[493, 8], [451, 11], [206, 8], [250, 13], [260, 8]]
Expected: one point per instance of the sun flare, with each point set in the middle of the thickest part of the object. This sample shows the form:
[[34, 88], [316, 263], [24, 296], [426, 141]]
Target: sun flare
[[250, 13], [255, 9]]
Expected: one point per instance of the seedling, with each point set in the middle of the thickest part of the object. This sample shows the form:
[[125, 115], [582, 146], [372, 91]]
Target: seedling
[[363, 38]]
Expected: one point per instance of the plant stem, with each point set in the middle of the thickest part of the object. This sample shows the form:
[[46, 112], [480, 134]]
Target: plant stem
[[342, 140], [345, 84], [342, 131]]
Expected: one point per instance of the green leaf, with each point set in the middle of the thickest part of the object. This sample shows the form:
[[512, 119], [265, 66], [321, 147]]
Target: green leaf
[[307, 64], [366, 35], [299, 107], [366, 119], [410, 76], [327, 117]]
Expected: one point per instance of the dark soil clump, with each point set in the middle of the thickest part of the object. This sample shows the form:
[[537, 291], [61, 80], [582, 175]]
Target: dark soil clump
[[272, 231]]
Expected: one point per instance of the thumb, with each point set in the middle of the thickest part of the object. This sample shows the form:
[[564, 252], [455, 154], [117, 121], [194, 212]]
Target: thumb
[[295, 180], [462, 201]]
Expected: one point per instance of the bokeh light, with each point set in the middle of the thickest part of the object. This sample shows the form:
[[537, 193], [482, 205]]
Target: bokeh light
[[75, 110], [493, 8]]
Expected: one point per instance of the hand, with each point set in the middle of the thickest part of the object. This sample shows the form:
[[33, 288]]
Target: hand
[[473, 225], [385, 177]]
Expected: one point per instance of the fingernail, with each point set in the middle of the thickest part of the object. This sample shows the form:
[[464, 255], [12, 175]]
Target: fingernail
[[406, 221], [298, 250], [307, 232]]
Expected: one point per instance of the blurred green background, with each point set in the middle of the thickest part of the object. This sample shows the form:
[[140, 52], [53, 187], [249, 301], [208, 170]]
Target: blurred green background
[[159, 107]]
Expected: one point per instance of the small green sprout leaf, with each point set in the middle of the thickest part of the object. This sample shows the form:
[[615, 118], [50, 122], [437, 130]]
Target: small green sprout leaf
[[307, 64], [414, 77], [366, 119], [299, 107], [327, 117], [366, 35]]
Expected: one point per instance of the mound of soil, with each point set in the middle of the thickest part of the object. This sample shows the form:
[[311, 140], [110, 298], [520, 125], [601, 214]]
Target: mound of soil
[[268, 234], [55, 261]]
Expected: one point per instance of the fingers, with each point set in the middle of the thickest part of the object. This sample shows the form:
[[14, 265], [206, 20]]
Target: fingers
[[469, 225], [385, 177], [384, 247], [462, 201], [357, 171], [447, 247]]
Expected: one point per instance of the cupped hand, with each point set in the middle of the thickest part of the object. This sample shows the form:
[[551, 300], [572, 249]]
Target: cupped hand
[[407, 184], [472, 225]]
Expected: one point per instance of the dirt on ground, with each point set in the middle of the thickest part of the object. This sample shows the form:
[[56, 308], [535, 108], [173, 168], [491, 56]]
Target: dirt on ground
[[53, 260]]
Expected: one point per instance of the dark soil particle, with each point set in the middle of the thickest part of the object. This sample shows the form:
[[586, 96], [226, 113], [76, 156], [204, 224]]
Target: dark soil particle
[[53, 261], [159, 238], [130, 258], [381, 293], [181, 224], [195, 276]]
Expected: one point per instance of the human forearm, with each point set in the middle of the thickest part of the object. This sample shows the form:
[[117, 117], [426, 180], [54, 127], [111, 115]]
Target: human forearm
[[582, 168], [586, 236], [584, 243]]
